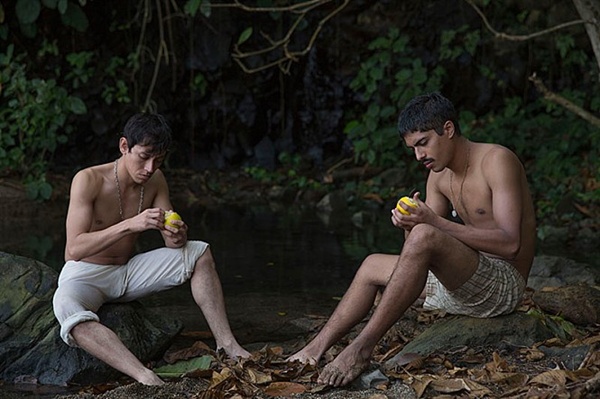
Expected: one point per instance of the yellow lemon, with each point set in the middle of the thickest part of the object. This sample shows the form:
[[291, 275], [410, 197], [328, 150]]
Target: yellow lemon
[[169, 217], [408, 201]]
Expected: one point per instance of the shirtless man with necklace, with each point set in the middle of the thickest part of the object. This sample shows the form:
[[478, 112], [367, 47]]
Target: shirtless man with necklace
[[477, 268], [109, 206]]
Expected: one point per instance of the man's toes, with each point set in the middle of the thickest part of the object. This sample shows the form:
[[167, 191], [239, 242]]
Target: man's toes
[[331, 375]]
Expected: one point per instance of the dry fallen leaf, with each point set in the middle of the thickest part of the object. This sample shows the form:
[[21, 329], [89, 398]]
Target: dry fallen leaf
[[284, 389], [550, 378], [420, 384], [258, 377]]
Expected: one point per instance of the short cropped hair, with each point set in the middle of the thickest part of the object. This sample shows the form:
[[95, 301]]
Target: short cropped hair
[[427, 112], [148, 129]]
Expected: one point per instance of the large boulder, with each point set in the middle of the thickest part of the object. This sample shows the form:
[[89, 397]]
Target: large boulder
[[516, 329], [30, 346]]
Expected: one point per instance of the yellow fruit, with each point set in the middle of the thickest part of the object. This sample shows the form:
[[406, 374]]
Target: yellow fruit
[[408, 201], [169, 217]]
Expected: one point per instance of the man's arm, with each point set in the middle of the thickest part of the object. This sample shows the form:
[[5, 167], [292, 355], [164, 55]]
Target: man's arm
[[173, 237], [82, 242], [502, 236]]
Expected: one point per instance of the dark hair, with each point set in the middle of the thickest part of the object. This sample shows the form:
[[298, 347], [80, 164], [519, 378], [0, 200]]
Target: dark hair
[[148, 129], [427, 112]]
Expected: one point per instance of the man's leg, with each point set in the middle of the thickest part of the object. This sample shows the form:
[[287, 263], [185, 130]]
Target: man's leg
[[101, 342], [373, 274], [425, 248], [208, 294]]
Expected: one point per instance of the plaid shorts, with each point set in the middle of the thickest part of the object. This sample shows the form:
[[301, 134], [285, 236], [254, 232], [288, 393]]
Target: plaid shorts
[[496, 288]]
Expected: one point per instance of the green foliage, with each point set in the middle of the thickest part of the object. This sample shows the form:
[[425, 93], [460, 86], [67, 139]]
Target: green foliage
[[33, 122], [119, 90], [71, 14], [387, 80], [455, 43], [81, 70], [191, 7], [287, 175], [182, 367], [556, 147], [561, 328], [199, 83], [245, 35]]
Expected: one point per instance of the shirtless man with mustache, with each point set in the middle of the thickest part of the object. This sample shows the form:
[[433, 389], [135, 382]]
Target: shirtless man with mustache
[[477, 268]]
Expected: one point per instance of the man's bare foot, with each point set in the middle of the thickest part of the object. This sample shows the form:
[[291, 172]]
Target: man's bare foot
[[235, 352], [344, 369], [150, 378], [304, 356]]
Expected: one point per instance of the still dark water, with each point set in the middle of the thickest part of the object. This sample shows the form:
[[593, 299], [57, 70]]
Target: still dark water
[[258, 249]]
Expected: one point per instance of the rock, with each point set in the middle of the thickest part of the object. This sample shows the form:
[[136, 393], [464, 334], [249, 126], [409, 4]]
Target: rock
[[518, 329], [554, 271], [571, 358], [579, 304], [393, 177], [333, 202], [31, 349], [370, 379]]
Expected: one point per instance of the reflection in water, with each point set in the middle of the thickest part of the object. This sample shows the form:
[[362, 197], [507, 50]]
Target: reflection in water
[[260, 250], [256, 249]]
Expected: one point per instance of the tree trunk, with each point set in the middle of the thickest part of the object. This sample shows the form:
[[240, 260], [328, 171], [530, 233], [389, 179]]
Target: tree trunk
[[589, 10]]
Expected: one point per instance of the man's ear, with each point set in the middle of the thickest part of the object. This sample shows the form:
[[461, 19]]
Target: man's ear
[[449, 129], [123, 147]]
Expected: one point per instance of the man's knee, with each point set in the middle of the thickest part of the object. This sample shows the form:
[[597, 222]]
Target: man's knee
[[423, 237], [81, 328], [205, 262], [376, 269]]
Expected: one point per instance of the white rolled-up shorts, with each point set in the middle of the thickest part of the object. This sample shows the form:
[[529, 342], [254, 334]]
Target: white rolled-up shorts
[[84, 287]]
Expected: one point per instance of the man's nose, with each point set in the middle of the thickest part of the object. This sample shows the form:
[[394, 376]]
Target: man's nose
[[150, 165], [419, 154]]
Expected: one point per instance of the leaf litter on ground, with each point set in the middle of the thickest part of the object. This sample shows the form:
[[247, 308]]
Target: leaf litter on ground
[[487, 371]]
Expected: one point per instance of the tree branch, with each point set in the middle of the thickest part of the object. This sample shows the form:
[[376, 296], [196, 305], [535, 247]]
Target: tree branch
[[563, 102], [283, 62], [591, 26], [521, 38]]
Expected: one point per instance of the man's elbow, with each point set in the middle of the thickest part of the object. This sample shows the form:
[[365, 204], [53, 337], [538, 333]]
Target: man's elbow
[[512, 249], [72, 255]]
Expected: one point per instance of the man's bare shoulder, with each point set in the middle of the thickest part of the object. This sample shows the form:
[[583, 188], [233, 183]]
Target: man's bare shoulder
[[496, 154], [91, 178]]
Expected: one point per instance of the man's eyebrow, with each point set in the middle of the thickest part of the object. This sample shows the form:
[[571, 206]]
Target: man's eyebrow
[[418, 143]]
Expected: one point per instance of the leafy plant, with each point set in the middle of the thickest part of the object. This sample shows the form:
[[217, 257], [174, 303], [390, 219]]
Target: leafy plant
[[386, 81], [71, 14], [33, 122], [288, 174]]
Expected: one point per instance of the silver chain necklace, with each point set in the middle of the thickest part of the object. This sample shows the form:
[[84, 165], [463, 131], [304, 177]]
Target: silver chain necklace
[[460, 194], [119, 193]]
